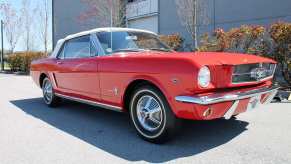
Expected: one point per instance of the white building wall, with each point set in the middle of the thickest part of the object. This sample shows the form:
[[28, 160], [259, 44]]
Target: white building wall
[[143, 15], [141, 8], [147, 23]]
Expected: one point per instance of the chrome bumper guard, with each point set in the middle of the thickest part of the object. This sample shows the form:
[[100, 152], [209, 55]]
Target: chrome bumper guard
[[224, 97]]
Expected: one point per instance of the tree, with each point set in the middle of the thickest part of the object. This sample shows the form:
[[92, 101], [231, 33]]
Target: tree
[[12, 22], [43, 14], [191, 14], [27, 21], [281, 34], [102, 10]]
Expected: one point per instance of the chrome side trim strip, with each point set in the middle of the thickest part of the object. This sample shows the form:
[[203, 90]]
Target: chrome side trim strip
[[89, 102], [231, 110], [222, 97]]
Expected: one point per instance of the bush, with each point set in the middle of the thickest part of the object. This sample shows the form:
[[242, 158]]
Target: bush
[[21, 61], [246, 39], [273, 42], [175, 41], [281, 34], [14, 62]]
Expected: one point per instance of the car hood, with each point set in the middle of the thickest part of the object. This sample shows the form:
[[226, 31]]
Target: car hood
[[205, 58], [224, 58]]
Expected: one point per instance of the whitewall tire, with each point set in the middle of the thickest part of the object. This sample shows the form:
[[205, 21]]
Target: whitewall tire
[[151, 115]]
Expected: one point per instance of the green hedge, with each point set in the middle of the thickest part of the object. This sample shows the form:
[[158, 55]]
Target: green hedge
[[20, 62]]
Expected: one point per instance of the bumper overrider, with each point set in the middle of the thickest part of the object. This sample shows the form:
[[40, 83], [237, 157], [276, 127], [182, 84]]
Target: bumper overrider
[[254, 96]]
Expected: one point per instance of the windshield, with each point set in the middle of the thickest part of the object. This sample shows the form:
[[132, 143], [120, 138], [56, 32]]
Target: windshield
[[123, 41]]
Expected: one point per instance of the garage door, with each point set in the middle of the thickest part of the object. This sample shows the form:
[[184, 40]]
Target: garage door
[[148, 23]]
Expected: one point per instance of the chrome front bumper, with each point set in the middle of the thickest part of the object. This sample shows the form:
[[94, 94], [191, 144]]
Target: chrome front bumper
[[254, 95]]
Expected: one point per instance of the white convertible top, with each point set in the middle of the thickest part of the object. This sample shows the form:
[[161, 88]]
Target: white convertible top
[[106, 29]]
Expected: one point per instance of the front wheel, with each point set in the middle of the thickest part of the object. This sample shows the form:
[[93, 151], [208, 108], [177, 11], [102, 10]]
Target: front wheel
[[151, 115], [49, 96]]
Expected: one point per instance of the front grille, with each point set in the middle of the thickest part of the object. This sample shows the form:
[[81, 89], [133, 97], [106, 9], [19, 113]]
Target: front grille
[[252, 72]]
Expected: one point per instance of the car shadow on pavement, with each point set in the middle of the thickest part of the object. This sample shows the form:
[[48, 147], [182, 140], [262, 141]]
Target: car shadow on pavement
[[112, 132]]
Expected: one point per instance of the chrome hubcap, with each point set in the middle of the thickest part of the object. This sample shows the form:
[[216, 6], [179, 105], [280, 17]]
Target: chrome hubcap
[[149, 113], [47, 91]]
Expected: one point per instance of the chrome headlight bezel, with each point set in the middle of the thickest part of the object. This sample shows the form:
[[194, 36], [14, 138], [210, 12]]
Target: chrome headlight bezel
[[204, 77]]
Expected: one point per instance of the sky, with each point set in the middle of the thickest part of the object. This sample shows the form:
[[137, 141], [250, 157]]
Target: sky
[[37, 46]]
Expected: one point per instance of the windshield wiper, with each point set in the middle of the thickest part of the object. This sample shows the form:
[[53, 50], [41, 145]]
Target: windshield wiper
[[129, 50], [160, 49]]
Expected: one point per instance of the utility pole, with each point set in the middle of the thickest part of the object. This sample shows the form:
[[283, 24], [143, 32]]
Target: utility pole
[[111, 24], [2, 46], [214, 15], [195, 7]]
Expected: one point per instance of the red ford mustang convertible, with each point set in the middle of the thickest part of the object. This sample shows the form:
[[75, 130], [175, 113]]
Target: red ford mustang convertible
[[132, 71]]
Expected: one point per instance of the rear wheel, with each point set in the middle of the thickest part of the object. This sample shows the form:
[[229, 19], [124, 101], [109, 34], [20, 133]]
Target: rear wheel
[[151, 115], [49, 96]]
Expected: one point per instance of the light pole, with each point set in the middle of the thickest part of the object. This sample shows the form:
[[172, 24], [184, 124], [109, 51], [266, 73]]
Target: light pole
[[214, 15], [2, 46], [195, 7], [111, 24]]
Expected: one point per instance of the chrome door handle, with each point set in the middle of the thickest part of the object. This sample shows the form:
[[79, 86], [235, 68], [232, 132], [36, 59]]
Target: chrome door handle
[[59, 62]]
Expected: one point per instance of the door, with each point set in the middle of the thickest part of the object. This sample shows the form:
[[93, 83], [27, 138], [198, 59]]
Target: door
[[147, 23], [77, 68]]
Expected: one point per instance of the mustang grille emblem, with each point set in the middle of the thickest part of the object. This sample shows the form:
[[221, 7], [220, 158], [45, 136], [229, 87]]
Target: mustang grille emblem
[[258, 73]]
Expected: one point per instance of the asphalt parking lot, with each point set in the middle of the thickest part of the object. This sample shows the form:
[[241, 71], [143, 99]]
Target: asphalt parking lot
[[30, 132]]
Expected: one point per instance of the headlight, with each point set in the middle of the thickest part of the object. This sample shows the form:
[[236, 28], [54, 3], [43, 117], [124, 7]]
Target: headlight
[[204, 77]]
